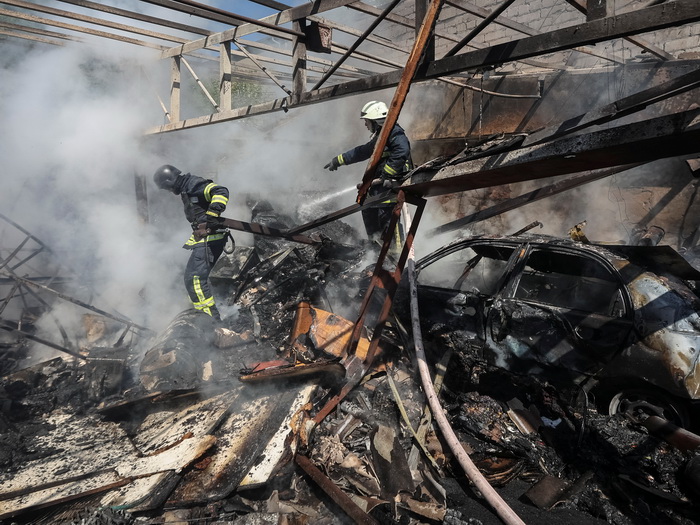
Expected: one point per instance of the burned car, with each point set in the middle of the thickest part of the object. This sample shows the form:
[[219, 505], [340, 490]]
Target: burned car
[[618, 321]]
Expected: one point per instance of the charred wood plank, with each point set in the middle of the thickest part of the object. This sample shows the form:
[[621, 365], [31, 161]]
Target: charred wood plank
[[527, 198], [337, 495], [654, 139]]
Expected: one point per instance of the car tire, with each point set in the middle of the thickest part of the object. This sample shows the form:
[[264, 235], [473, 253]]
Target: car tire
[[636, 402]]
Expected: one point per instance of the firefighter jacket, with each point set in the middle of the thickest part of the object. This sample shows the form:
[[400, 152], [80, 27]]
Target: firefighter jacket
[[201, 198], [396, 158]]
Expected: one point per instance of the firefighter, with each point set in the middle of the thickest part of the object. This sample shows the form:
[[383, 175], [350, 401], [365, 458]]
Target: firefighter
[[395, 163], [204, 203]]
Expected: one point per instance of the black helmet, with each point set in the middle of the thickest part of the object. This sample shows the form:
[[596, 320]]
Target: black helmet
[[165, 177]]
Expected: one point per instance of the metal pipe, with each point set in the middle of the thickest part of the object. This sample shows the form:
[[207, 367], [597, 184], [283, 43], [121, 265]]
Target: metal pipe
[[492, 497], [199, 83]]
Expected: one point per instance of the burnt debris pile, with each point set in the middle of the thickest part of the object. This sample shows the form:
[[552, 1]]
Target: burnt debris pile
[[267, 417]]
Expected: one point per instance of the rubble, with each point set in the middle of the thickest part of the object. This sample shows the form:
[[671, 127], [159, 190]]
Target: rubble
[[218, 422]]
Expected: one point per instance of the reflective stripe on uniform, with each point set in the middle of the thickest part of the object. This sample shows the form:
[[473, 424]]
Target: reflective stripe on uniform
[[220, 199], [389, 170], [205, 303], [341, 160], [207, 191], [213, 237]]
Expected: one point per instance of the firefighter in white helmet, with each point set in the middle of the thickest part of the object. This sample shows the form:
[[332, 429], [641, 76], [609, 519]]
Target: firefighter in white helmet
[[395, 163]]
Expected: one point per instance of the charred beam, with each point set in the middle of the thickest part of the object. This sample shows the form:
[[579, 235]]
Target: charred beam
[[65, 297], [4, 325], [530, 197], [343, 500], [640, 21], [618, 109], [668, 136], [643, 20]]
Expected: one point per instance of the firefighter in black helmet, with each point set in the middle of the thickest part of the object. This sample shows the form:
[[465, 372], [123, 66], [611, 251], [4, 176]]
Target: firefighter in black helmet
[[204, 202], [395, 163]]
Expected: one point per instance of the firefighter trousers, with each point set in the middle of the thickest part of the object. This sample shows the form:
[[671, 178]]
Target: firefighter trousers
[[202, 259]]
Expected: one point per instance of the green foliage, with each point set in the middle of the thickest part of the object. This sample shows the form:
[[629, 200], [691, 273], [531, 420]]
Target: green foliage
[[243, 93]]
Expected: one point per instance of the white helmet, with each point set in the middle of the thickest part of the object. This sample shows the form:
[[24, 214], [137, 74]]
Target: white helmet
[[374, 110]]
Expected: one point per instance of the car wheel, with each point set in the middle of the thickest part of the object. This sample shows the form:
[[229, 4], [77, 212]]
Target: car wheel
[[638, 404]]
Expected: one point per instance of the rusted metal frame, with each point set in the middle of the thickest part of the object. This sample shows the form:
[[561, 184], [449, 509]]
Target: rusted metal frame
[[530, 197], [25, 232], [399, 96], [361, 6], [682, 439], [619, 26], [618, 109], [338, 496], [485, 22], [4, 325], [262, 68], [76, 301], [199, 83], [357, 43], [605, 10], [355, 368], [648, 19], [663, 137], [383, 280], [260, 229]]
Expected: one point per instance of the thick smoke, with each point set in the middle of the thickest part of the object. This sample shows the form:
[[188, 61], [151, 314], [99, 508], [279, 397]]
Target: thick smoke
[[73, 128]]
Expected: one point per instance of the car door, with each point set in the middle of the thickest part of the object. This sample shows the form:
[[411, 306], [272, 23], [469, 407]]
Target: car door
[[455, 288], [562, 308]]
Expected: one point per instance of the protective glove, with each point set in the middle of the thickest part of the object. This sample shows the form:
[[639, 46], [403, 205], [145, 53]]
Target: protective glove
[[332, 165], [213, 224]]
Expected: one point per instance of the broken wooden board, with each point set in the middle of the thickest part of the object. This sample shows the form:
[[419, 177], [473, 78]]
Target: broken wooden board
[[91, 456], [279, 446], [164, 428], [255, 433], [29, 499], [327, 331]]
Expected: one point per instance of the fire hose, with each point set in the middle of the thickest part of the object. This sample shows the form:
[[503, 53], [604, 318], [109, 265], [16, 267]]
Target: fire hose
[[487, 491]]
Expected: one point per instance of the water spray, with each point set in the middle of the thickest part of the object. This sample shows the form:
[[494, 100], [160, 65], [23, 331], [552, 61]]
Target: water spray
[[316, 206]]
